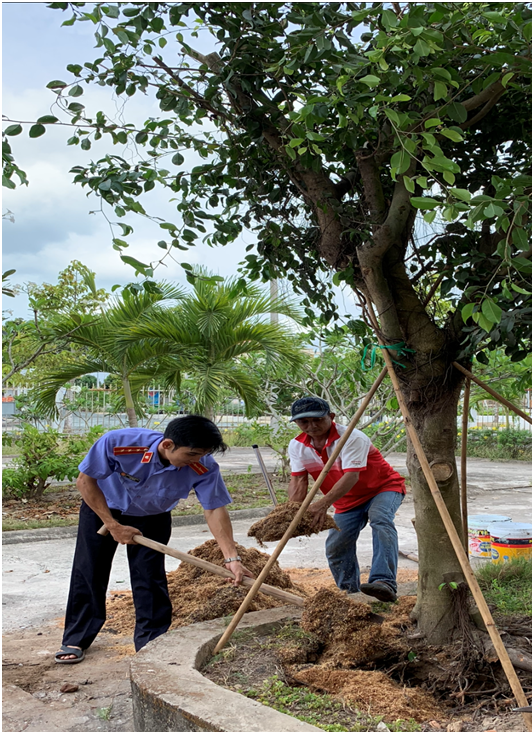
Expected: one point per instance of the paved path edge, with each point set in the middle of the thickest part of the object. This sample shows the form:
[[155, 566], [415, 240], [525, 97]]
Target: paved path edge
[[65, 532]]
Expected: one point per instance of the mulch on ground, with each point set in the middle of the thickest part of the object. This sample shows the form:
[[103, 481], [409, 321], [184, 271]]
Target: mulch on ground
[[273, 527], [198, 595]]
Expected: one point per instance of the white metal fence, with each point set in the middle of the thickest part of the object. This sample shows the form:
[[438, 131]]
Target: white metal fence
[[80, 409]]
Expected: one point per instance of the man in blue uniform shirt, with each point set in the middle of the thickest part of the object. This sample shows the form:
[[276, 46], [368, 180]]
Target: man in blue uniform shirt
[[130, 481]]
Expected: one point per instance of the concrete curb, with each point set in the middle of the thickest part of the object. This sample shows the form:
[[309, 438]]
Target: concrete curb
[[169, 692], [66, 532]]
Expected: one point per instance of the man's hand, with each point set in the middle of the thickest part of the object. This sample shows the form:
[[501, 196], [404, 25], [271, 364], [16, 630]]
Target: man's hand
[[124, 534], [239, 571], [318, 513]]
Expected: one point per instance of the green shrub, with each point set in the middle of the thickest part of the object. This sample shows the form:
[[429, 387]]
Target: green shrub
[[43, 456], [278, 439], [501, 444]]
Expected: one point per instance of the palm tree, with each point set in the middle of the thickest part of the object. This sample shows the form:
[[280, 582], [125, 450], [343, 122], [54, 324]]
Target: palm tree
[[209, 333], [135, 364]]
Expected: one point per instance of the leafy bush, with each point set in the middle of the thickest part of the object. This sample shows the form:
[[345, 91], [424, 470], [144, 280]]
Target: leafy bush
[[503, 444], [277, 439], [43, 456]]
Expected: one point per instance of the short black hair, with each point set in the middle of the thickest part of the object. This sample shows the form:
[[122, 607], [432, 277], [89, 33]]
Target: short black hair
[[195, 431]]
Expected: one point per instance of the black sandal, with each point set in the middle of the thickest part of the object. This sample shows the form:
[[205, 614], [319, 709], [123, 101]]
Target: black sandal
[[69, 651]]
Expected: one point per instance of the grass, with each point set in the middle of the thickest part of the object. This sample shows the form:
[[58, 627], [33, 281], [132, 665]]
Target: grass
[[51, 523], [508, 586], [321, 710]]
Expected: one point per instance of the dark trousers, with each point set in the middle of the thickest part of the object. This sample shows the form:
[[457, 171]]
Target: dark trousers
[[85, 613]]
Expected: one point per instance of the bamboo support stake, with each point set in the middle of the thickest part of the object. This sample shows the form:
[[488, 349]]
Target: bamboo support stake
[[456, 541], [220, 571], [463, 464], [493, 393], [295, 521]]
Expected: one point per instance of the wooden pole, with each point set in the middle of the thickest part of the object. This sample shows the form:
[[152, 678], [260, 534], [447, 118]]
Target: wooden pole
[[220, 571], [456, 541], [295, 521], [463, 464], [493, 393]]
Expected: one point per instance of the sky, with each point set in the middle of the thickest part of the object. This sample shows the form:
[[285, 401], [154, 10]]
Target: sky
[[54, 220]]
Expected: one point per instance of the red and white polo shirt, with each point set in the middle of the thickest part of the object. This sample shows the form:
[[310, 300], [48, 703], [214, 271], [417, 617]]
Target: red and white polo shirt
[[357, 456]]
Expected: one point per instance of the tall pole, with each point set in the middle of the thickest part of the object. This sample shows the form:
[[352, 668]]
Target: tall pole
[[274, 293], [463, 463]]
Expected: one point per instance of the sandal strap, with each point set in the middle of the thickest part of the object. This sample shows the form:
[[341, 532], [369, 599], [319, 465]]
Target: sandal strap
[[70, 651]]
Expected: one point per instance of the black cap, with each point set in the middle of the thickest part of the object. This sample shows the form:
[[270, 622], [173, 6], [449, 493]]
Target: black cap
[[309, 407]]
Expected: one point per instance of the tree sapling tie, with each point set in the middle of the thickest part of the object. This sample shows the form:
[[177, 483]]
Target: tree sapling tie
[[399, 347]]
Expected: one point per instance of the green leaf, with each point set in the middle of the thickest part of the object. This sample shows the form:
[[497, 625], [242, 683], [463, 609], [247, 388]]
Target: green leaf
[[424, 203], [429, 217], [457, 112], [401, 98], [296, 141], [121, 35], [392, 115], [522, 264], [484, 323], [519, 239], [56, 84], [516, 288], [440, 90], [139, 266], [491, 211], [76, 91], [162, 244], [13, 130], [389, 19], [141, 137], [370, 80], [452, 135], [432, 122], [409, 184], [462, 194], [48, 119], [186, 266], [37, 130], [491, 310], [467, 311], [178, 159], [527, 31]]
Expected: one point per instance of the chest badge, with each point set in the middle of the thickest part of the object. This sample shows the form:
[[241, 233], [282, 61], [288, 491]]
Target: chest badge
[[130, 477], [146, 458]]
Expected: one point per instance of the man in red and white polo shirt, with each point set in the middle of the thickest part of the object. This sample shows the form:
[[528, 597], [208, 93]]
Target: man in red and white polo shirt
[[361, 486]]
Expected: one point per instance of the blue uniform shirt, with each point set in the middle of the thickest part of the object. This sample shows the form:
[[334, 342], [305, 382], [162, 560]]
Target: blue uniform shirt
[[127, 467]]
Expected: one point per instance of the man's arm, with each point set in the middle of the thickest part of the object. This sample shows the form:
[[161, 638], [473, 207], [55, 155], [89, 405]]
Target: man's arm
[[298, 487], [319, 509], [219, 523], [95, 499]]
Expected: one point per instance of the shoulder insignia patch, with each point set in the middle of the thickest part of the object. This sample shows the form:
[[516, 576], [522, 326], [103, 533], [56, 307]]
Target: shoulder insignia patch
[[133, 450], [146, 458], [199, 468]]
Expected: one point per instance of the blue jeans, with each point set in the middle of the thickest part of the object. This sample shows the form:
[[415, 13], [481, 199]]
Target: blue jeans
[[341, 546]]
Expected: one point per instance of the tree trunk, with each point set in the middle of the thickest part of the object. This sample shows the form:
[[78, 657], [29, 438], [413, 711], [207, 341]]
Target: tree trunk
[[435, 422], [209, 412], [130, 407]]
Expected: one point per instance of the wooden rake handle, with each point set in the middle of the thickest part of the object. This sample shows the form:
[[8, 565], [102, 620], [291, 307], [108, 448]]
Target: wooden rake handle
[[279, 594]]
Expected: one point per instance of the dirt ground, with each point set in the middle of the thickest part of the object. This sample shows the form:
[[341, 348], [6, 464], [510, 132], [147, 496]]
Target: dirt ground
[[33, 700]]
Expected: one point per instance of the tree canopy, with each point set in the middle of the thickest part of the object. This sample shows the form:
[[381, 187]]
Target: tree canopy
[[326, 128]]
